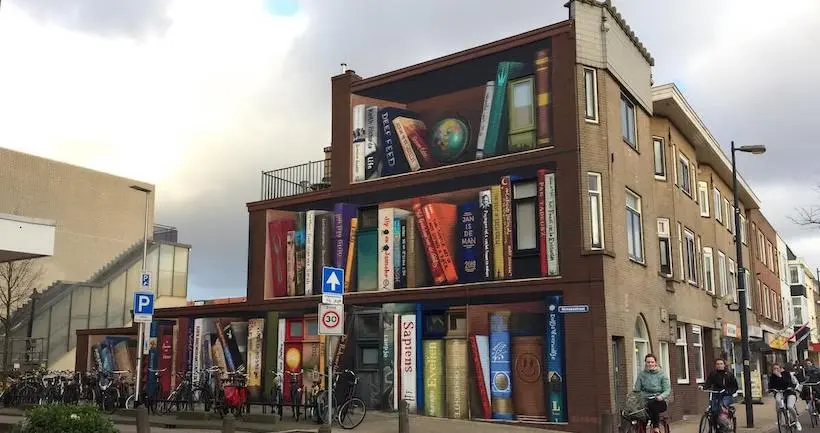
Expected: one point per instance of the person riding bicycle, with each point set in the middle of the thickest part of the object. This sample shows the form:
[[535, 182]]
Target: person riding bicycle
[[721, 379], [785, 383], [654, 387], [811, 374]]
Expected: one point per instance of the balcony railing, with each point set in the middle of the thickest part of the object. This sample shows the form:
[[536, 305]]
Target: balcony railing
[[295, 180], [165, 233]]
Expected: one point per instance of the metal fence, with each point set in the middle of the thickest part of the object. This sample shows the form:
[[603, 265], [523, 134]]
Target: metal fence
[[295, 180]]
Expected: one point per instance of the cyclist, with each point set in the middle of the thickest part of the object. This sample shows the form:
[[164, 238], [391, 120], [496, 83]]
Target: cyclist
[[721, 379], [811, 374], [785, 383], [653, 385]]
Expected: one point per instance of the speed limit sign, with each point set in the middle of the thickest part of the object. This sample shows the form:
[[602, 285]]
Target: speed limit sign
[[331, 319]]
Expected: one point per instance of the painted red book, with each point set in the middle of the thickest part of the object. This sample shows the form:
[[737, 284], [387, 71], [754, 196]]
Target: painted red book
[[430, 249], [478, 376], [441, 222], [542, 223], [278, 233]]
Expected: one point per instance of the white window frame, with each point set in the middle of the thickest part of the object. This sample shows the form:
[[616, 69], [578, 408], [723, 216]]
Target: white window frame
[[639, 255], [627, 104], [703, 198], [732, 219], [685, 176], [761, 245], [743, 229], [796, 269], [728, 217], [663, 352], [731, 281], [797, 309], [697, 345], [718, 202], [680, 253], [681, 342], [770, 255], [590, 95], [721, 276], [596, 219], [659, 149], [665, 238], [690, 263], [708, 270], [747, 283], [767, 300]]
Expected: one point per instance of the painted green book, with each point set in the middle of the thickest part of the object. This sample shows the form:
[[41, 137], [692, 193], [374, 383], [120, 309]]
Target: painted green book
[[496, 136]]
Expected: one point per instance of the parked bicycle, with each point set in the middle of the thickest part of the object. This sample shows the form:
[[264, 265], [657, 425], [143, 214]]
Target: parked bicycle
[[812, 403], [710, 422], [349, 411]]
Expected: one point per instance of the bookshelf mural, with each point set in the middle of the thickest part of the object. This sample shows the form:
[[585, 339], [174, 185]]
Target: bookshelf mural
[[112, 353], [230, 344], [514, 115], [503, 231]]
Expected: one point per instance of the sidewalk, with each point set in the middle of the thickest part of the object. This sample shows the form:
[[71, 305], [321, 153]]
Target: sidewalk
[[765, 419]]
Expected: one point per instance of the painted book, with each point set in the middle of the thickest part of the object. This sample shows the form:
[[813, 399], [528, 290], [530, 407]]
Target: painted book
[[500, 368], [506, 217], [407, 360], [358, 143], [350, 263], [441, 221], [498, 233], [397, 158], [496, 131], [542, 91], [485, 236], [367, 249], [418, 271], [552, 225], [528, 379], [470, 257], [436, 271], [387, 218], [489, 90], [277, 241], [291, 263], [254, 356], [481, 365], [322, 248], [455, 352], [401, 241], [412, 134], [299, 248], [342, 214], [434, 377], [372, 160]]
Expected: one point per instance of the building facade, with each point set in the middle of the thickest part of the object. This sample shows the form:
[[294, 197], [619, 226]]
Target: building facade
[[805, 292]]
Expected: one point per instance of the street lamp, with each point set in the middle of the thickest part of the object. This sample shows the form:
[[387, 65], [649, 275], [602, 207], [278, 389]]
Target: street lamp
[[741, 288], [142, 413]]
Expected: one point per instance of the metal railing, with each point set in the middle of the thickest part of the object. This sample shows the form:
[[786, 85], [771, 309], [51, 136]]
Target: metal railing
[[165, 233], [295, 180]]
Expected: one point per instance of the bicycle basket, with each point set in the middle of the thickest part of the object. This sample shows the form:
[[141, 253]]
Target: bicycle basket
[[634, 407], [234, 395]]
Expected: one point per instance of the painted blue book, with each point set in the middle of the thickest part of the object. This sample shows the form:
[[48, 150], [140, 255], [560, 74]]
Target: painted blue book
[[393, 153], [500, 366], [342, 214], [470, 257], [367, 260], [402, 253]]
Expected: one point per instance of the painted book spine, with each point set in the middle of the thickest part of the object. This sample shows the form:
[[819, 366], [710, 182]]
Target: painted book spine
[[500, 371], [489, 90], [542, 91], [358, 143], [434, 377], [372, 164]]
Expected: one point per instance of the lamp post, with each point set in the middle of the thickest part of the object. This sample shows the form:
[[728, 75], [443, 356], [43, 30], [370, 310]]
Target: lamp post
[[741, 289], [142, 413]]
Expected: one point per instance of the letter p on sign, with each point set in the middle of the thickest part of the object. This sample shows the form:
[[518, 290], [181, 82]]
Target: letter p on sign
[[143, 306]]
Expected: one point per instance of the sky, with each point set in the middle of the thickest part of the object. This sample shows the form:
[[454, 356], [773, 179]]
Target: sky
[[200, 96]]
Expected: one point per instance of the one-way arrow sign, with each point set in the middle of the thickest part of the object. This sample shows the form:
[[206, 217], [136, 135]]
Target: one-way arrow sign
[[333, 286]]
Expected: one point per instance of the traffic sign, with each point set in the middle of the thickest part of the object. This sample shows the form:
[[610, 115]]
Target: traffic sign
[[573, 308], [331, 319], [145, 280], [333, 286], [143, 306]]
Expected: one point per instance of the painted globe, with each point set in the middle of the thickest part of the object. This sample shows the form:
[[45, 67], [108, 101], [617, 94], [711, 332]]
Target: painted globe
[[449, 140]]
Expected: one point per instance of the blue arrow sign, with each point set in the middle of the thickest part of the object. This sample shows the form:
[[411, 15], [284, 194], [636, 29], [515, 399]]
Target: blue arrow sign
[[333, 281]]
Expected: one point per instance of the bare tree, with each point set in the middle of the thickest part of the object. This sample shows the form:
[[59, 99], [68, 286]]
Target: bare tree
[[18, 280], [808, 216]]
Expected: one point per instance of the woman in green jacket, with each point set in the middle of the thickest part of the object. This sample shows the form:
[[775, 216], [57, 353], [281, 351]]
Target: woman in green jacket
[[654, 387]]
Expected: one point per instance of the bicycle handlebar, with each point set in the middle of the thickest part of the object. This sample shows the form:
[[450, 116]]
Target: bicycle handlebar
[[810, 383]]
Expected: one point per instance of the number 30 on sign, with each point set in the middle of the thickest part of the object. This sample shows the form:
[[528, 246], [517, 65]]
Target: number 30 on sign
[[331, 319]]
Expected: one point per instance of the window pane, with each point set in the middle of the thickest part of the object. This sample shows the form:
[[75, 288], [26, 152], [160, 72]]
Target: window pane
[[79, 312], [632, 201], [524, 190], [681, 366], [58, 341], [368, 325], [370, 357], [593, 181], [165, 278], [660, 163], [181, 272], [595, 216], [525, 225], [116, 301], [99, 305], [589, 90]]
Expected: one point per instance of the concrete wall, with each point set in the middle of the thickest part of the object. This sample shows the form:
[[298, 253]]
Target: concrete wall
[[97, 215]]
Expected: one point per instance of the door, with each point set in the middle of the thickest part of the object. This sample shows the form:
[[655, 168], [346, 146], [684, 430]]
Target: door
[[618, 373]]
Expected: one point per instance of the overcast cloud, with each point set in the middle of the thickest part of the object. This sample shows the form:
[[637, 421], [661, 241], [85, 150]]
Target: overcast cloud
[[200, 96]]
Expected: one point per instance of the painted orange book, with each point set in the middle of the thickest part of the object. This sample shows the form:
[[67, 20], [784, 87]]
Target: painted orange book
[[441, 221], [432, 258], [351, 255]]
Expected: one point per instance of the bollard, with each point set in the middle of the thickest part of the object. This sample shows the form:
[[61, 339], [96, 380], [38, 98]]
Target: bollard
[[228, 423], [404, 418], [143, 426]]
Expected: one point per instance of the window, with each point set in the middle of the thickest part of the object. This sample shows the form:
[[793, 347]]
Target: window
[[761, 241], [591, 95], [634, 227], [524, 211], [708, 271], [727, 217], [721, 275], [682, 355], [660, 158], [697, 346], [664, 247], [718, 202], [684, 178], [731, 281], [663, 352], [797, 309], [731, 217], [703, 198], [747, 285], [794, 274], [596, 214], [767, 300], [743, 228], [642, 345], [769, 256], [690, 262], [680, 253], [628, 129]]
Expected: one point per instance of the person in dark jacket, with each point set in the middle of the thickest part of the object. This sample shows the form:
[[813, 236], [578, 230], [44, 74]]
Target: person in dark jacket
[[721, 378], [785, 383], [811, 374]]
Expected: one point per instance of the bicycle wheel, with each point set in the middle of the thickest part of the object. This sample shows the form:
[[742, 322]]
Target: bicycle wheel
[[666, 426], [352, 413], [321, 407], [705, 424], [110, 400], [130, 402]]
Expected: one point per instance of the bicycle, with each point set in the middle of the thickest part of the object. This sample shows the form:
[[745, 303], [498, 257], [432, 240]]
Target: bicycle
[[295, 392], [277, 398], [783, 412], [639, 422], [709, 420], [811, 404], [346, 414]]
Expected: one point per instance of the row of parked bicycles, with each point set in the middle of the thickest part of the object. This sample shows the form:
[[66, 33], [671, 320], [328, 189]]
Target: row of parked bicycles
[[208, 390]]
